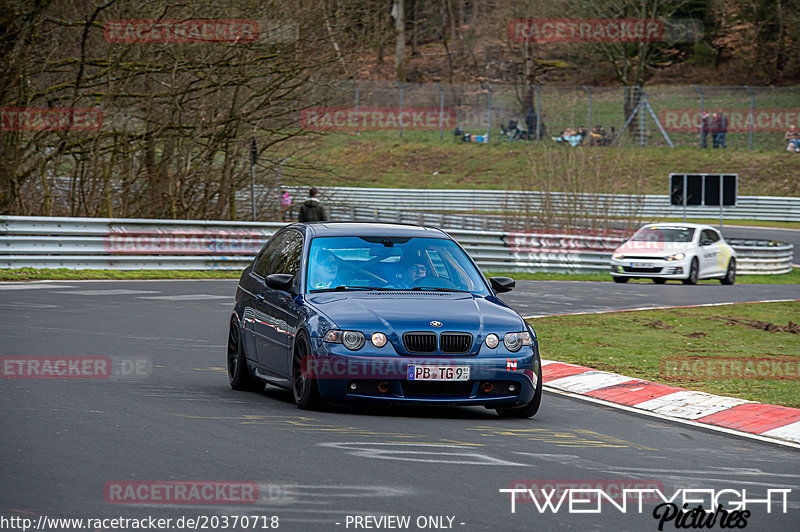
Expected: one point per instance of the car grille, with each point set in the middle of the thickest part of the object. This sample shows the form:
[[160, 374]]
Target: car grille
[[628, 269], [420, 342], [455, 342], [438, 389]]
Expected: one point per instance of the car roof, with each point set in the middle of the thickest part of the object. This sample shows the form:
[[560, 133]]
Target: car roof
[[686, 225], [372, 229]]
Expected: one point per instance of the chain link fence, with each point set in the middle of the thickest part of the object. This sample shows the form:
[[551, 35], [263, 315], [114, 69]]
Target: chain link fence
[[754, 117]]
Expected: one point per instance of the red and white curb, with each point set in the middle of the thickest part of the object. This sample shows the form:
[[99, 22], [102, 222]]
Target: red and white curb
[[735, 415]]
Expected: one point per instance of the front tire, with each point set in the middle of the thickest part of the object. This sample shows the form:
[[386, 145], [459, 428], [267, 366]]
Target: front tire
[[304, 386], [694, 271], [238, 374], [730, 273], [528, 410]]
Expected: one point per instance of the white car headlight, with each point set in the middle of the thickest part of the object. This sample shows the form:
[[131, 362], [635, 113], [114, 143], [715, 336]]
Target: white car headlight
[[617, 256], [676, 256], [515, 340]]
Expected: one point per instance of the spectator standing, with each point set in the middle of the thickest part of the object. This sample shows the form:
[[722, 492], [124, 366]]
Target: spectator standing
[[312, 209], [719, 128], [286, 205], [530, 123], [793, 138], [704, 130]]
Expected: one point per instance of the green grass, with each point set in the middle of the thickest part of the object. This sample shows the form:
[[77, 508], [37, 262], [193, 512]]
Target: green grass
[[636, 344], [421, 160], [30, 274], [792, 277]]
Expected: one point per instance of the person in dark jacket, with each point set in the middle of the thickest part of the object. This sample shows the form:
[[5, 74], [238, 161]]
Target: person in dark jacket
[[312, 209], [719, 128]]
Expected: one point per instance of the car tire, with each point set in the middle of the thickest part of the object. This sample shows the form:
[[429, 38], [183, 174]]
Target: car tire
[[621, 279], [304, 386], [239, 376], [528, 410], [693, 273], [659, 280], [730, 273]]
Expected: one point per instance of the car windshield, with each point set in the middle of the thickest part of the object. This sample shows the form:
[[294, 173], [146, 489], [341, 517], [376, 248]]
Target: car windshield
[[390, 263], [664, 234]]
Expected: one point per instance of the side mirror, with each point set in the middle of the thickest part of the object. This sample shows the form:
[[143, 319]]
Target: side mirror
[[705, 243], [280, 281], [502, 284]]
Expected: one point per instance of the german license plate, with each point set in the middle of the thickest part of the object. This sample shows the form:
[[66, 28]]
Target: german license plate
[[438, 373], [641, 265]]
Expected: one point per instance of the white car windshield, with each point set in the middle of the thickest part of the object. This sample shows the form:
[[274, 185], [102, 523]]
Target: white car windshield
[[393, 263], [664, 234]]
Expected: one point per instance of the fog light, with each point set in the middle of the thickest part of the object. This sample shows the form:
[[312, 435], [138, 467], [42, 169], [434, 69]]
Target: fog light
[[487, 387], [353, 386], [383, 387], [512, 388]]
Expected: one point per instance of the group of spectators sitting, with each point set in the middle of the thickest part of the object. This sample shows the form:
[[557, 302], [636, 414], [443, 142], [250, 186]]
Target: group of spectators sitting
[[597, 137]]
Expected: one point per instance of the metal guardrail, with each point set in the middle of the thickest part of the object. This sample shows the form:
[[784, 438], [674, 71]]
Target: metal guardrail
[[130, 244], [648, 206]]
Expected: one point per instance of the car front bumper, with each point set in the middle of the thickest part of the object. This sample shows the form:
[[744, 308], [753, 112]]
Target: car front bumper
[[493, 380], [674, 269]]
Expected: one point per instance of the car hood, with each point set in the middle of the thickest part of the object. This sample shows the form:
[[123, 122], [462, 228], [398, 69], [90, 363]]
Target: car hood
[[653, 248], [400, 312]]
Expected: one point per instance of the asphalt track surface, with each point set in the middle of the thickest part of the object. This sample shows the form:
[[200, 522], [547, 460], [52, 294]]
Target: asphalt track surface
[[62, 441], [790, 236]]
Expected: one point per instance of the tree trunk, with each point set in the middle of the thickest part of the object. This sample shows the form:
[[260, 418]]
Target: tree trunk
[[400, 45]]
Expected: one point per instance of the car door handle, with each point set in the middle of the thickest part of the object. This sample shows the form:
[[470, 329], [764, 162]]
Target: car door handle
[[260, 297]]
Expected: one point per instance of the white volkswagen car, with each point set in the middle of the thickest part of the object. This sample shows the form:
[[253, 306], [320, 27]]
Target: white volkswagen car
[[664, 251]]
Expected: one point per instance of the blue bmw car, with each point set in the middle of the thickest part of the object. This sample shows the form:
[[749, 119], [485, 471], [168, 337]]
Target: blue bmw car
[[382, 313]]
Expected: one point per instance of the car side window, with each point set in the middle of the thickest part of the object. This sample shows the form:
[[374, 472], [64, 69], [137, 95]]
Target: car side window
[[288, 259], [708, 236], [267, 257]]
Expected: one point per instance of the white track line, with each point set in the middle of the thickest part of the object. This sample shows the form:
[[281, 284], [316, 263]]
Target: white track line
[[659, 308]]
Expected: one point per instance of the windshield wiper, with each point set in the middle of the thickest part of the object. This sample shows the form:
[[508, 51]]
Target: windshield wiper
[[436, 289], [344, 288]]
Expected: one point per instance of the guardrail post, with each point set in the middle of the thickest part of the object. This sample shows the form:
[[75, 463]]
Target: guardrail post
[[400, 108]]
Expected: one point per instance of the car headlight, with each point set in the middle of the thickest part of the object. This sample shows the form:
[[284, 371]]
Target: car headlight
[[676, 256], [352, 340], [492, 340], [515, 340], [379, 339], [617, 256]]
